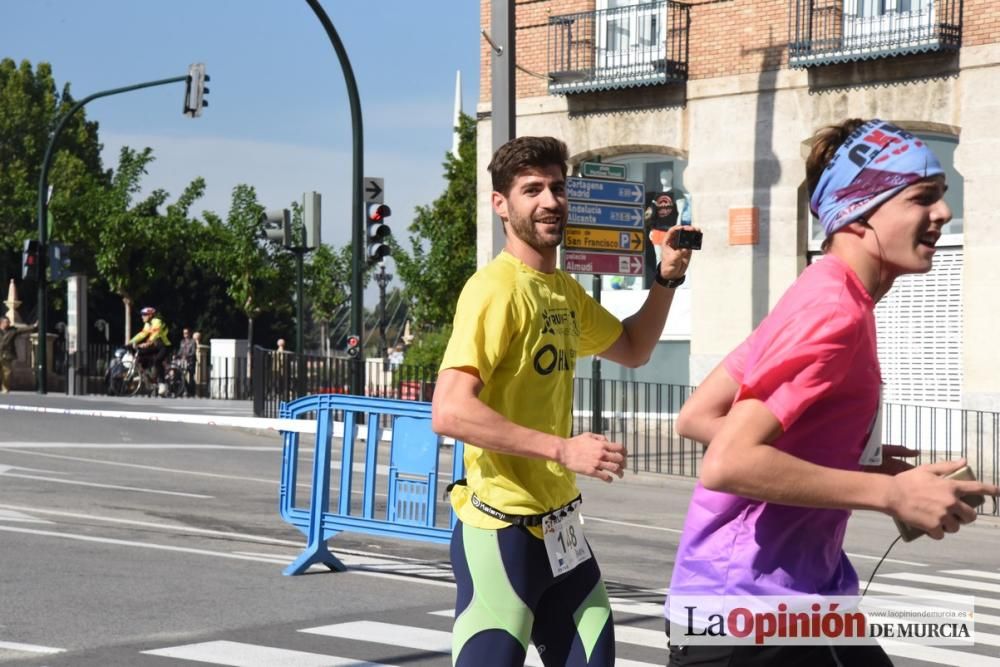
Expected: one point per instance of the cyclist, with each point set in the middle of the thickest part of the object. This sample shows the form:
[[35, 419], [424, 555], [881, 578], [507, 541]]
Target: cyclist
[[152, 343]]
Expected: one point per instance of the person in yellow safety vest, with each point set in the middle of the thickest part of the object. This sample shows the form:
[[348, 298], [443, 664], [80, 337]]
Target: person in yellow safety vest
[[152, 343]]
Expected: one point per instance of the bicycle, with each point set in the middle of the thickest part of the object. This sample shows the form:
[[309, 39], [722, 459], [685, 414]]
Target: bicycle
[[127, 376]]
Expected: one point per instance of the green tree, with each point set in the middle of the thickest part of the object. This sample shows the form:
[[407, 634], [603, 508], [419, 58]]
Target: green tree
[[258, 275], [30, 108], [134, 242], [328, 288], [433, 277]]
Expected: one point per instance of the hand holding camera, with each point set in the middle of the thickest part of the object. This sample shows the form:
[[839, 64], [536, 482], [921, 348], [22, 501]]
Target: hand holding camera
[[675, 257], [683, 238], [936, 499]]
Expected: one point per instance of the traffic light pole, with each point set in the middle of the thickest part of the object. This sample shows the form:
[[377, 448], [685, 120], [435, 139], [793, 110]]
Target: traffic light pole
[[300, 310], [43, 232], [357, 198]]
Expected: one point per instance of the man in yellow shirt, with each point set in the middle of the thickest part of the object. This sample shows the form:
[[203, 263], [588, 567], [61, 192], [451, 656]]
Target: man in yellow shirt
[[152, 343], [523, 567]]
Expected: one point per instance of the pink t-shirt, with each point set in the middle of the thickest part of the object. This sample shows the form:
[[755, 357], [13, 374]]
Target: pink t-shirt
[[813, 363]]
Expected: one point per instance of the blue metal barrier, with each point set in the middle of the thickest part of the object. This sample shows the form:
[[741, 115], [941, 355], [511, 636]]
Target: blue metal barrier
[[414, 460]]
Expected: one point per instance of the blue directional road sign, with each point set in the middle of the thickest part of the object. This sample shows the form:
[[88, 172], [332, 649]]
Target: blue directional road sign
[[604, 215], [612, 192]]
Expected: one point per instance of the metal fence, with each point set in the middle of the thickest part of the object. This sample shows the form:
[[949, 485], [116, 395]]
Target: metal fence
[[619, 47], [277, 378], [827, 31], [640, 415], [89, 369]]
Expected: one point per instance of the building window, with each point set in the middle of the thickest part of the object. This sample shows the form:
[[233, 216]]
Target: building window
[[944, 147], [830, 31]]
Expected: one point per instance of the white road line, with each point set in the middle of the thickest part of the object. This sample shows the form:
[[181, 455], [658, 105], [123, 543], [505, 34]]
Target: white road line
[[976, 573], [203, 531], [11, 515], [888, 560], [29, 648], [623, 633], [951, 582], [929, 593], [140, 466], [939, 656], [641, 636], [19, 448], [137, 445], [300, 425], [221, 554], [238, 654], [421, 639], [588, 517], [106, 486], [637, 608], [160, 526]]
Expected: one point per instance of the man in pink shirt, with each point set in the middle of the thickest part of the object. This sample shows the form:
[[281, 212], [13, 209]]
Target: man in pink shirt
[[788, 414]]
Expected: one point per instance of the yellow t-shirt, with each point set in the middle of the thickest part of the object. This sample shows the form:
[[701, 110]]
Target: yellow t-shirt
[[523, 330], [154, 330]]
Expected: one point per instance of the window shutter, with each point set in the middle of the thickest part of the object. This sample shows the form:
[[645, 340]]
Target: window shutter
[[920, 335]]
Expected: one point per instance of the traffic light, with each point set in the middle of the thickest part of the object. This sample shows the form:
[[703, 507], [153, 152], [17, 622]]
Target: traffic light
[[353, 345], [29, 260], [378, 232], [60, 266], [312, 218], [194, 95], [277, 225]]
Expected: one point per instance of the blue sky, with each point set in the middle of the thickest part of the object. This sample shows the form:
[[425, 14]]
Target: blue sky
[[278, 115]]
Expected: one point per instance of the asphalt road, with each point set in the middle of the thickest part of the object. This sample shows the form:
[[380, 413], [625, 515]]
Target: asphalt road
[[141, 543]]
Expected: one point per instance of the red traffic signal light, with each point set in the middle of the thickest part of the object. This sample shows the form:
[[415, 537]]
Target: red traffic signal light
[[378, 232], [378, 212], [29, 260], [353, 345]]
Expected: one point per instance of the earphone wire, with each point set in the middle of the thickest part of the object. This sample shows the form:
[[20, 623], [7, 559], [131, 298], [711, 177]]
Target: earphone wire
[[877, 565]]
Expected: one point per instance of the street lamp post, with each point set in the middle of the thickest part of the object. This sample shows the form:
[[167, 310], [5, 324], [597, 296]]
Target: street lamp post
[[43, 232], [357, 198]]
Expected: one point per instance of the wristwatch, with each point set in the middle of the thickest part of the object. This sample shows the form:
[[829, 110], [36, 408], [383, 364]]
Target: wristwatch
[[669, 283]]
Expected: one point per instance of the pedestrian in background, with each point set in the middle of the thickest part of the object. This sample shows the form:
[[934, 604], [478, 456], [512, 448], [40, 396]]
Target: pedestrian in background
[[201, 367], [790, 416], [8, 353], [189, 357], [523, 568]]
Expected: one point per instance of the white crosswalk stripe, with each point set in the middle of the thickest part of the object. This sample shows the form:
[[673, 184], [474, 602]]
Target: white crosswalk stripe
[[635, 630], [959, 587], [238, 654], [438, 642]]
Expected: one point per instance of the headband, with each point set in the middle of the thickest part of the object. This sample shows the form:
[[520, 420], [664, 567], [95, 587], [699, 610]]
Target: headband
[[872, 166]]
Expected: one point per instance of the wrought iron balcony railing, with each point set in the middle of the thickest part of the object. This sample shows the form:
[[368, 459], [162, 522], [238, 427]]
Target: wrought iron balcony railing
[[639, 45], [829, 31]]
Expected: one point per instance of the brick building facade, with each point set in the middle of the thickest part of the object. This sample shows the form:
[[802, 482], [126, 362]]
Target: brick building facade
[[715, 101]]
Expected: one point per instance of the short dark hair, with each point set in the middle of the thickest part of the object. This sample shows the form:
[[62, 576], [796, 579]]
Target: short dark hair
[[524, 153]]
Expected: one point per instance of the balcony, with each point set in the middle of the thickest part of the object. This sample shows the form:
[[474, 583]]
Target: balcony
[[823, 32], [623, 47]]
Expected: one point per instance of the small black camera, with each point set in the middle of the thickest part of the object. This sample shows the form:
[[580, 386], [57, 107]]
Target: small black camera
[[689, 238]]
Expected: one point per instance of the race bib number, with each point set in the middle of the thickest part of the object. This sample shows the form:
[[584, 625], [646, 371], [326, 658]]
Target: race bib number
[[564, 541], [872, 454]]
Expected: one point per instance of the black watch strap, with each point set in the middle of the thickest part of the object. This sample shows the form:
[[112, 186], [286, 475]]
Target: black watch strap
[[669, 283]]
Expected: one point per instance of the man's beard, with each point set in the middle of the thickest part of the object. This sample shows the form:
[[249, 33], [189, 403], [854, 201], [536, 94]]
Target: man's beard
[[524, 229]]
